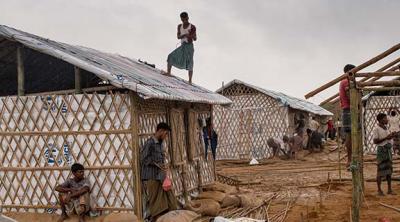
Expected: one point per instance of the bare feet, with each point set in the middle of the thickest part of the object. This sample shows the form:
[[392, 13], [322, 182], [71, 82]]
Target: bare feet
[[82, 219], [165, 73], [390, 192], [62, 217], [380, 193]]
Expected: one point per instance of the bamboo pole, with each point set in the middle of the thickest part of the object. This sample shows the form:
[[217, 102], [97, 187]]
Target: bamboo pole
[[54, 133], [58, 207], [377, 74], [137, 185], [70, 91], [380, 89], [389, 83], [56, 168], [78, 80], [20, 71], [387, 67], [355, 165], [354, 70]]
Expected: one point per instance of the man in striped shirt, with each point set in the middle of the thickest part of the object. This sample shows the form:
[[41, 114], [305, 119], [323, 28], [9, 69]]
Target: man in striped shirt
[[153, 173]]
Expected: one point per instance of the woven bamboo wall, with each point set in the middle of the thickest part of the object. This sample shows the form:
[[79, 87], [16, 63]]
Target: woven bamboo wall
[[195, 173], [41, 136], [375, 105], [245, 127]]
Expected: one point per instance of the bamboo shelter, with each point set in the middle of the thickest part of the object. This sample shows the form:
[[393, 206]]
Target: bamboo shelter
[[62, 104], [255, 115], [383, 79], [374, 103]]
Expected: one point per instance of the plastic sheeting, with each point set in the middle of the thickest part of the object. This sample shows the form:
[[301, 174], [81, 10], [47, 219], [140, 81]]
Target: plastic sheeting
[[285, 100], [120, 71]]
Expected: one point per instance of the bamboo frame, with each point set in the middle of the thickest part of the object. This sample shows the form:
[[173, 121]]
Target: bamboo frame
[[356, 87], [354, 70], [392, 66], [136, 154]]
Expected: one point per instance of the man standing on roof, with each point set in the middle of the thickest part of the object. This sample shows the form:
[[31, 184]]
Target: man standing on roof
[[182, 57], [344, 96]]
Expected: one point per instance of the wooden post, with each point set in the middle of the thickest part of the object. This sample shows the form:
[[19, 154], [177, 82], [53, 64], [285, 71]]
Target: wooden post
[[20, 71], [339, 143], [356, 145], [137, 183], [78, 80], [360, 138]]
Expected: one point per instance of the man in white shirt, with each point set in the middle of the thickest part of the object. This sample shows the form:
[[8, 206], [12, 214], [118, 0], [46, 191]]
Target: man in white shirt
[[314, 124], [394, 126]]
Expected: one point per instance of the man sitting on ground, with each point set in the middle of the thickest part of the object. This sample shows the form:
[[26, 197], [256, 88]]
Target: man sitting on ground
[[75, 194]]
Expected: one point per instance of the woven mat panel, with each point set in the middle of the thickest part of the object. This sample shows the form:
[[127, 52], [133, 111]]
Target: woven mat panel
[[238, 90], [376, 105], [245, 127], [92, 129], [207, 172], [65, 112], [178, 137]]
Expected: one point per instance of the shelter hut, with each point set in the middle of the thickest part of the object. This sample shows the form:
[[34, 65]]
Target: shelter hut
[[255, 115], [62, 103]]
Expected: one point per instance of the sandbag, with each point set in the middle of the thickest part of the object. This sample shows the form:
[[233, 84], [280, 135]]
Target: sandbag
[[213, 195], [221, 187], [205, 207], [249, 200], [178, 216], [230, 201], [121, 217]]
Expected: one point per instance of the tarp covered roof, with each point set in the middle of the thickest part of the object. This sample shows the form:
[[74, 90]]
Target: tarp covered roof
[[285, 100], [120, 71]]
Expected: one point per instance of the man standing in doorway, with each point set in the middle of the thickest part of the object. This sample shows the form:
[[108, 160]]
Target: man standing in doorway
[[344, 95], [182, 57], [154, 172]]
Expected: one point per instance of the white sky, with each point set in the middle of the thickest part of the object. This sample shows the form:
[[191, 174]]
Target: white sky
[[288, 46]]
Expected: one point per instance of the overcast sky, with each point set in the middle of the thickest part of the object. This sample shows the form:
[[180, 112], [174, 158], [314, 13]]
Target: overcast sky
[[288, 46]]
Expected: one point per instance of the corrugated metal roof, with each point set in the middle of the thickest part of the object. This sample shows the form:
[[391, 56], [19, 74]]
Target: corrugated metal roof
[[284, 99], [120, 71]]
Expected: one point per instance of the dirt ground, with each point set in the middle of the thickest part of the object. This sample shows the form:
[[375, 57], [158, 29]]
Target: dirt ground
[[304, 190], [312, 187]]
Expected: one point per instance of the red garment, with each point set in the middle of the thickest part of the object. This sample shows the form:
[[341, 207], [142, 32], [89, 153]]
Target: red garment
[[344, 99], [330, 124]]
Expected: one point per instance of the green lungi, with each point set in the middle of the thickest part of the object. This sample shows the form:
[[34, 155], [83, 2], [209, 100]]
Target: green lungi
[[182, 57], [384, 160], [159, 201]]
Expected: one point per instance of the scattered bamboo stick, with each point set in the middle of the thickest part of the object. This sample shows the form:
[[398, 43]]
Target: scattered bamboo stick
[[390, 207]]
